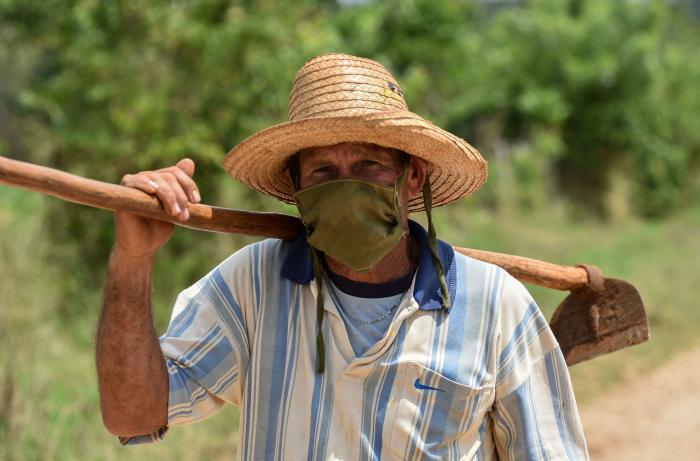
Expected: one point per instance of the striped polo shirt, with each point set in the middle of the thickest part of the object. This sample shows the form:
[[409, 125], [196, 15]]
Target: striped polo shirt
[[484, 380]]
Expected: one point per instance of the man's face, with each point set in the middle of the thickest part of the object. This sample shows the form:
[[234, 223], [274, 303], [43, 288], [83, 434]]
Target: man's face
[[350, 160], [368, 162]]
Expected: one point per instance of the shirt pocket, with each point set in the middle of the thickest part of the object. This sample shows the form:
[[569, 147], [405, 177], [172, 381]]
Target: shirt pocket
[[436, 416]]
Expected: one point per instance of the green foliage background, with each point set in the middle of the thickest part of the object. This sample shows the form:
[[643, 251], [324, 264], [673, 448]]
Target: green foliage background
[[588, 112]]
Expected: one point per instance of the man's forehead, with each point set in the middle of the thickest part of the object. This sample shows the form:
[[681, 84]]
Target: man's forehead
[[351, 149]]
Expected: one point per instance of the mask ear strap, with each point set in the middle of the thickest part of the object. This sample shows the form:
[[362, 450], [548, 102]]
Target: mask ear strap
[[399, 185], [432, 243], [320, 346]]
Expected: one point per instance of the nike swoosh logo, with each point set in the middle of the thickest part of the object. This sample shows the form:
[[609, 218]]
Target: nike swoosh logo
[[423, 387]]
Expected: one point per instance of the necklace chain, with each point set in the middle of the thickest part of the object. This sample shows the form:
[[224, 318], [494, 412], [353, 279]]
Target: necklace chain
[[339, 305]]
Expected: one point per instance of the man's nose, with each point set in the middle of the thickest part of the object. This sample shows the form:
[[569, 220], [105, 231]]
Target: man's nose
[[345, 172]]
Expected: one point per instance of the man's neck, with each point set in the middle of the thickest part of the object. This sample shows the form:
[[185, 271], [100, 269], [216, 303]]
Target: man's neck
[[399, 262]]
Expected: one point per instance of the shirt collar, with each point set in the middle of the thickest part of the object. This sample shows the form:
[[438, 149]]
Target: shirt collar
[[298, 267]]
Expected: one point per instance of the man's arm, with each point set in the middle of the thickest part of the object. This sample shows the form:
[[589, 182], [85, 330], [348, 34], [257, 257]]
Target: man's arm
[[534, 414], [131, 369], [130, 366], [539, 419]]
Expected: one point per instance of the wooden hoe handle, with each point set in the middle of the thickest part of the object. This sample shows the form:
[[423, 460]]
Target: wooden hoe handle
[[108, 196], [534, 271], [204, 217]]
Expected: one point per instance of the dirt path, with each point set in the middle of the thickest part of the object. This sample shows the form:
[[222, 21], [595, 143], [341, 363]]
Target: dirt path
[[654, 418]]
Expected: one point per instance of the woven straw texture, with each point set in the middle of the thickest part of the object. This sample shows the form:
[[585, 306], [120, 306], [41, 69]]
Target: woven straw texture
[[340, 98]]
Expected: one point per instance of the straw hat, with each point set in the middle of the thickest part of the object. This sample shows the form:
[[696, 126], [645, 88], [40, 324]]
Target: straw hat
[[341, 98]]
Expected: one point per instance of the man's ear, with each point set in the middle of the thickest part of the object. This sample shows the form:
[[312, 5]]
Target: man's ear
[[294, 170], [417, 171]]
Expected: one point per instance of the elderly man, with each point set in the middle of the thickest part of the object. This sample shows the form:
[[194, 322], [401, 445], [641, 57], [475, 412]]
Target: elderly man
[[366, 337]]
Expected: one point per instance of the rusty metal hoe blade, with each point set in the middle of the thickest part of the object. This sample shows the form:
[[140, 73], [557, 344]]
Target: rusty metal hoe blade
[[603, 316]]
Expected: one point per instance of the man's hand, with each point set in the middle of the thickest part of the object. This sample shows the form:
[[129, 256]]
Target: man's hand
[[138, 237]]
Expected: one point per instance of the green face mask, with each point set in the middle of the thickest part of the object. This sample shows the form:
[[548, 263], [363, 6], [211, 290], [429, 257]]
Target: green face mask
[[354, 222]]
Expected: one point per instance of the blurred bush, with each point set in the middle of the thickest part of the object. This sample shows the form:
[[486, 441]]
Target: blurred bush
[[570, 101]]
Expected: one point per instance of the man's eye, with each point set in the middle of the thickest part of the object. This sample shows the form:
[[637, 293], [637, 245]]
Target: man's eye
[[321, 170], [369, 163]]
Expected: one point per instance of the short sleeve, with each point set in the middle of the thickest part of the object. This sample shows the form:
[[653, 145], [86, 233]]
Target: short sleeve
[[535, 414], [206, 345]]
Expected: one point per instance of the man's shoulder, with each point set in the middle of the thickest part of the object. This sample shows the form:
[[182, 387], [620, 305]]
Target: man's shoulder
[[472, 268], [262, 256], [495, 280]]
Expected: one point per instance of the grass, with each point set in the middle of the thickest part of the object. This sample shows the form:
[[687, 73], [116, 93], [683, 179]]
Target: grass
[[48, 392]]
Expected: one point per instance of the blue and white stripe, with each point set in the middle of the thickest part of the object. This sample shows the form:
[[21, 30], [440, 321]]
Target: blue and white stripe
[[484, 380]]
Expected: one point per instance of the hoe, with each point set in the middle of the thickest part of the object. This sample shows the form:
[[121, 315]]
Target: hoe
[[599, 316]]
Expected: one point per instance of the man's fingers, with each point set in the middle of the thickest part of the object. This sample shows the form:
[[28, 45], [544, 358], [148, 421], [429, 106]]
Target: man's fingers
[[180, 194], [186, 165], [166, 194], [173, 186], [154, 183], [140, 181], [186, 182]]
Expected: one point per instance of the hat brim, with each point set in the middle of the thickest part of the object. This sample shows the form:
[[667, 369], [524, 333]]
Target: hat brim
[[456, 168]]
